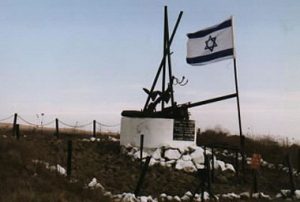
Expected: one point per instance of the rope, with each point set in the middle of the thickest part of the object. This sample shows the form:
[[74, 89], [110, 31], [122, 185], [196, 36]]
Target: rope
[[84, 125], [33, 124], [75, 126], [68, 125], [49, 123], [7, 118], [105, 125]]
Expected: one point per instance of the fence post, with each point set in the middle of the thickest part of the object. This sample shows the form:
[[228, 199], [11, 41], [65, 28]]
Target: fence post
[[236, 163], [243, 156], [15, 123], [254, 173], [298, 159], [207, 162], [94, 128], [142, 176], [56, 128], [17, 130], [69, 159], [292, 181], [141, 148], [213, 166]]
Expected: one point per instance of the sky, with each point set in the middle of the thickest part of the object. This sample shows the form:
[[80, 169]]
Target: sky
[[84, 60]]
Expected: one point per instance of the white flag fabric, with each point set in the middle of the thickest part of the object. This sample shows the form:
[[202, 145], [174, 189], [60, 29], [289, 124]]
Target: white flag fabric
[[211, 44]]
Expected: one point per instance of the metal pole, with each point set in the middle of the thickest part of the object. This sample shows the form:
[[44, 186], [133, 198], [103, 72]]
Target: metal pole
[[242, 138], [169, 61], [94, 128], [17, 130], [213, 166], [56, 128], [69, 159], [162, 61], [292, 181], [15, 123], [141, 148], [142, 176]]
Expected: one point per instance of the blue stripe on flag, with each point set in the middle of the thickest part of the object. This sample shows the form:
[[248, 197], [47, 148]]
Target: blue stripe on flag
[[205, 32], [206, 58]]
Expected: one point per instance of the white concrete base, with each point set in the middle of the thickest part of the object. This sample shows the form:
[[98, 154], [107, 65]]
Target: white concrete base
[[157, 132]]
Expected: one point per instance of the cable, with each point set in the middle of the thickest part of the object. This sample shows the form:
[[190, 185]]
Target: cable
[[105, 125], [33, 124], [75, 126], [49, 123], [6, 118], [68, 125]]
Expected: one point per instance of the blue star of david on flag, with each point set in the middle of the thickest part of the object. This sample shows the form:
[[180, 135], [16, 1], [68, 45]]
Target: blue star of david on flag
[[210, 44]]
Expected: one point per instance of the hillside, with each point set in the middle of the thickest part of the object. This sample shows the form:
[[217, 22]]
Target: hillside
[[25, 177]]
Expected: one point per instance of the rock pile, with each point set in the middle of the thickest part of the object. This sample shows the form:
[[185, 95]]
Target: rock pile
[[188, 159]]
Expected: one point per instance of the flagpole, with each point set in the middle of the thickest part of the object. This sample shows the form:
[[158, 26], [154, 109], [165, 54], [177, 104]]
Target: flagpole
[[242, 138]]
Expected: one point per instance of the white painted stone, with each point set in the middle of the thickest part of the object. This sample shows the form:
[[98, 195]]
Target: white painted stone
[[229, 167], [137, 155], [230, 196], [187, 166], [129, 197], [186, 157], [172, 154], [297, 194], [92, 183], [176, 199], [245, 195], [153, 162], [220, 165], [198, 156], [170, 163], [157, 154], [61, 170]]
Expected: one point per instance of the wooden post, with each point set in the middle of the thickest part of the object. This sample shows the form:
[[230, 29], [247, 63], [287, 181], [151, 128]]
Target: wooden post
[[292, 181], [254, 173], [94, 128], [298, 155], [69, 159], [202, 175], [17, 130], [236, 162], [242, 148], [56, 128], [141, 148], [15, 123], [142, 176], [213, 166], [207, 160]]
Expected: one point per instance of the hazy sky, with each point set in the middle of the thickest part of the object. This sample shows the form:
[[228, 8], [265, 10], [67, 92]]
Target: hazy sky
[[84, 60]]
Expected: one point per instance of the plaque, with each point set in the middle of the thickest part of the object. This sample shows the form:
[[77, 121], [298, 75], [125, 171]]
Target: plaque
[[184, 130]]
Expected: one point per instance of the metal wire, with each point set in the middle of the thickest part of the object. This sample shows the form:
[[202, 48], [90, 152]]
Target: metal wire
[[65, 124], [33, 124], [106, 125], [6, 118], [75, 126], [49, 123], [84, 125]]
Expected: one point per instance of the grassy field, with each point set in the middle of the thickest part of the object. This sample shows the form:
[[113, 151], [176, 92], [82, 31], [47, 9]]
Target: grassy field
[[23, 180]]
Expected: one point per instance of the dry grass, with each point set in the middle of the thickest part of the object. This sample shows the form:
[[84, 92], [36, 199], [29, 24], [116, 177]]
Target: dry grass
[[21, 180]]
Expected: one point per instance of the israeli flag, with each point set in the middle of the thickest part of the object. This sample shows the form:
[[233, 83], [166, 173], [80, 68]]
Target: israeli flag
[[211, 44]]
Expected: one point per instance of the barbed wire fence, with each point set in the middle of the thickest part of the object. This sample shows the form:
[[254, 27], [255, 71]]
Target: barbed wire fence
[[96, 125]]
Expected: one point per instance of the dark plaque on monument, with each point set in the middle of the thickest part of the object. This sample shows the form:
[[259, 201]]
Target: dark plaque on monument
[[184, 130]]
